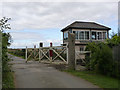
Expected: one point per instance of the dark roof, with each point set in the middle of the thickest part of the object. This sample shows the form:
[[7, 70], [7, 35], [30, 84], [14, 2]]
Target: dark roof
[[85, 25]]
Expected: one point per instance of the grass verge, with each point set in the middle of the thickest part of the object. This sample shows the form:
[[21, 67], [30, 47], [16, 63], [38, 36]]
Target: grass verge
[[8, 78], [17, 55], [97, 79]]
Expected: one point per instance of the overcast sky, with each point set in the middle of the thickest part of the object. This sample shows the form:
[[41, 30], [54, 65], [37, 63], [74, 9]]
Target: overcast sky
[[34, 22]]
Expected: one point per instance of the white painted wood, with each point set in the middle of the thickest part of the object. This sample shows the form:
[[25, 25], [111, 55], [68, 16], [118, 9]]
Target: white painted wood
[[79, 57], [67, 53], [36, 55], [45, 55], [59, 55], [26, 54], [44, 50], [39, 54], [30, 54]]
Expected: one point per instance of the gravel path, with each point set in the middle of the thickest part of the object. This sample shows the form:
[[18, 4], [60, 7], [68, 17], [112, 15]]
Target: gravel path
[[38, 75]]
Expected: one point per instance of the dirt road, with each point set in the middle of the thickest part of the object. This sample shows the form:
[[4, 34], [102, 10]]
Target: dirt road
[[38, 75]]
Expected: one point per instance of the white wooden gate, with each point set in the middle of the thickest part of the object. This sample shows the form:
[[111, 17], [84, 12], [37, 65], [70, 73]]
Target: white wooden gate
[[60, 54], [43, 54], [80, 56]]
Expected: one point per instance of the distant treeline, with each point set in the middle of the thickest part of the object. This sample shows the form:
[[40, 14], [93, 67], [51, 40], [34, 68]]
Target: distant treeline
[[17, 52]]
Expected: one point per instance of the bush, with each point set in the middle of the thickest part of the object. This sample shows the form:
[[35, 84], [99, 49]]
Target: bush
[[114, 41], [101, 60], [7, 77]]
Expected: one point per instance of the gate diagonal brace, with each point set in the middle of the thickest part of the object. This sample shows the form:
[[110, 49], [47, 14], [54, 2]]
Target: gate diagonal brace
[[45, 54], [80, 58], [30, 55], [36, 55], [60, 53]]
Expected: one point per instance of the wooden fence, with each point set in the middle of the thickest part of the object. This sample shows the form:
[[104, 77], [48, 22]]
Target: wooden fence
[[116, 53], [49, 54]]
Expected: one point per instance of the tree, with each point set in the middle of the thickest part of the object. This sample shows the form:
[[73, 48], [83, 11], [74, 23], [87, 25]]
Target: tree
[[101, 60], [5, 41], [114, 41], [3, 24]]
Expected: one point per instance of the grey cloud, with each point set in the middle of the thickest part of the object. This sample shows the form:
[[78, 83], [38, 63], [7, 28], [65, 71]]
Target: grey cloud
[[42, 15], [45, 15], [61, 1], [32, 36]]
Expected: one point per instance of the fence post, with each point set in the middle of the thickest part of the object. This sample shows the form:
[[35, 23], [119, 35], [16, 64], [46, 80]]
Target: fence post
[[67, 52], [26, 54], [34, 51], [40, 46], [50, 52], [71, 51]]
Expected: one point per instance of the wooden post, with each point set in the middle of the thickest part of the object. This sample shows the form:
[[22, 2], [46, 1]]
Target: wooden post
[[26, 54], [34, 51], [67, 52], [50, 52], [40, 54], [71, 51]]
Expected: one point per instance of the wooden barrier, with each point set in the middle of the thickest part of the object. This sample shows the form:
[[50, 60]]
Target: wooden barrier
[[44, 52]]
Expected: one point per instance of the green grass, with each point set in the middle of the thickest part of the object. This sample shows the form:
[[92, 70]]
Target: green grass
[[97, 79], [8, 78], [17, 55]]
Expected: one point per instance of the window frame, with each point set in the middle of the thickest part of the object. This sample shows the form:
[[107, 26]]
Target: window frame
[[88, 36], [105, 35], [78, 38], [101, 35], [81, 48], [83, 37], [94, 34], [65, 35]]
